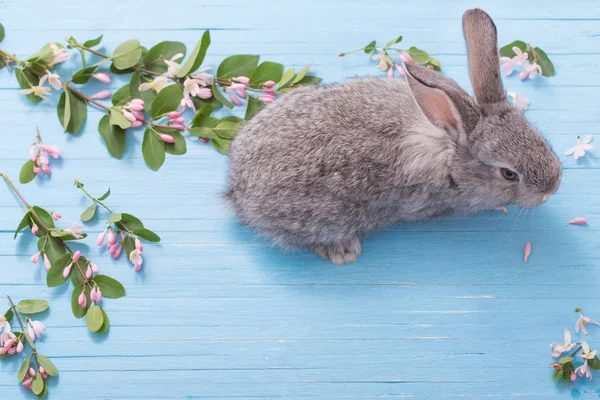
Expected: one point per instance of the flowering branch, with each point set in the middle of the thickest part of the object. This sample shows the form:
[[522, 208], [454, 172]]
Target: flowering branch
[[32, 378], [59, 260], [517, 53]]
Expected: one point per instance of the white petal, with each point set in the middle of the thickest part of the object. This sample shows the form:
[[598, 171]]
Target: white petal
[[570, 151], [586, 139]]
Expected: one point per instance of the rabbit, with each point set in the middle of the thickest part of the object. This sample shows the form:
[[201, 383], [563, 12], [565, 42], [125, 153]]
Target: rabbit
[[324, 166]]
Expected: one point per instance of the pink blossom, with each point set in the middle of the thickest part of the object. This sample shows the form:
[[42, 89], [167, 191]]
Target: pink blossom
[[67, 271], [76, 256], [137, 101], [406, 58], [235, 100], [400, 70], [584, 370], [136, 257], [56, 216], [53, 80], [76, 230], [529, 70], [166, 138], [20, 347], [138, 245], [117, 251], [101, 94], [34, 229], [137, 267], [47, 263], [581, 147], [100, 239], [32, 371], [82, 299], [269, 84], [390, 73], [129, 116], [560, 348], [178, 120], [187, 102], [265, 98], [578, 221], [527, 251], [35, 329], [582, 321], [88, 272], [138, 115], [134, 106], [33, 153], [54, 151], [102, 77], [98, 296], [46, 169], [35, 258], [136, 124], [173, 115], [241, 79], [94, 268], [112, 237], [27, 384], [37, 170], [59, 54]]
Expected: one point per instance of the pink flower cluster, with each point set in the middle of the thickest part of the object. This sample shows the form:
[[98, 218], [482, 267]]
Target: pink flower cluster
[[237, 90], [115, 248], [39, 154], [132, 112], [530, 70], [28, 380]]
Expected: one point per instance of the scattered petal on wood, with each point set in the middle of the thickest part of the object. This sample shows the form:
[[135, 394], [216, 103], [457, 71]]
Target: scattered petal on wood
[[578, 221], [527, 251]]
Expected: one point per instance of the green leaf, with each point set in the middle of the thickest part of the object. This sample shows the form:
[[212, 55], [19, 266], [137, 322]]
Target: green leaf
[[301, 74], [105, 195], [594, 363], [507, 51], [287, 77], [544, 62], [308, 80], [227, 129], [105, 324], [130, 222], [2, 32], [116, 117], [44, 216], [196, 57], [212, 101], [238, 65], [122, 96], [65, 235], [9, 314], [127, 54], [114, 136], [154, 58], [44, 391], [419, 56], [219, 96], [266, 71], [77, 111], [222, 145], [557, 374], [147, 234], [153, 149], [93, 42], [84, 75], [370, 47], [254, 106], [436, 64], [565, 360], [26, 80], [78, 311], [201, 117], [567, 369], [109, 287], [166, 101], [23, 370], [26, 175], [114, 218], [177, 148], [52, 247], [89, 213], [37, 386], [76, 277], [128, 245], [23, 224], [147, 95], [393, 41], [32, 306], [94, 318], [48, 365], [55, 274]]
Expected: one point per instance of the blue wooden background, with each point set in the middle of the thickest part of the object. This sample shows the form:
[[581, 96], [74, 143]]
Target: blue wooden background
[[436, 310]]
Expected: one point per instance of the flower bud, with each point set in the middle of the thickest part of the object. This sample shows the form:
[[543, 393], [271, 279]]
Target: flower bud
[[56, 216], [37, 170], [178, 120], [32, 154], [35, 258], [88, 272], [173, 115], [42, 370], [573, 377], [32, 372], [137, 101], [47, 263], [138, 245], [112, 238], [136, 124], [94, 268], [100, 239], [205, 140], [76, 256], [406, 58], [46, 170], [20, 347], [241, 79], [34, 229], [67, 271], [269, 84], [102, 77], [117, 252], [101, 94], [137, 267], [166, 138], [128, 116]]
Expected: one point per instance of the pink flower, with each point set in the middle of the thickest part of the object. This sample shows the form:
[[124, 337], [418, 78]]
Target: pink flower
[[82, 299], [137, 267], [172, 66], [27, 384], [136, 124], [59, 54], [138, 245], [128, 116], [166, 138], [32, 371], [521, 102], [560, 348], [100, 239], [529, 70], [76, 230], [88, 272], [187, 102], [94, 268], [581, 147], [97, 295], [53, 151], [158, 84], [112, 237], [582, 321], [102, 77], [53, 80], [265, 98], [578, 221], [56, 216], [35, 258], [584, 370], [47, 263], [241, 79], [406, 58], [40, 91], [269, 84], [37, 170], [35, 329], [76, 256], [136, 257], [67, 270], [203, 76], [235, 100], [20, 347], [33, 153], [117, 251], [527, 251], [101, 94], [400, 70], [46, 169], [34, 229], [173, 115]]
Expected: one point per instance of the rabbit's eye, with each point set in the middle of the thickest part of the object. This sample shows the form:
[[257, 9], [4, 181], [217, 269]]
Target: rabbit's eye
[[508, 174]]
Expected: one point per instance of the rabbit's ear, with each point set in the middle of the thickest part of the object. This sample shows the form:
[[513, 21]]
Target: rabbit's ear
[[436, 105], [484, 64]]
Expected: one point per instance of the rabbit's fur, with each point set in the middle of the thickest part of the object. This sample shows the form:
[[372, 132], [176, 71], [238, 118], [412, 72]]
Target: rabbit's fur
[[324, 166]]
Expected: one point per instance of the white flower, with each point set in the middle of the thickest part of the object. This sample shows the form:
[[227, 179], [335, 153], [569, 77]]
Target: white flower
[[6, 330], [192, 87], [508, 64], [385, 62], [173, 67], [39, 91], [586, 352], [564, 347], [522, 103], [529, 70], [187, 102], [584, 370], [136, 257], [203, 76], [76, 230], [158, 84], [579, 151], [59, 54], [53, 80], [35, 329]]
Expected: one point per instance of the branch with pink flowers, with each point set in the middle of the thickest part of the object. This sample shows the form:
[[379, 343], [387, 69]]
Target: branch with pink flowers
[[161, 90], [564, 367], [36, 369], [64, 264]]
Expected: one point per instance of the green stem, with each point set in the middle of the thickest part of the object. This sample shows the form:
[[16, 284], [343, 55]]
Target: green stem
[[576, 351], [24, 331], [109, 58], [95, 200]]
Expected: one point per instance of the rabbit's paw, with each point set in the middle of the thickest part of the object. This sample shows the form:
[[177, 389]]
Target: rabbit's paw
[[339, 253]]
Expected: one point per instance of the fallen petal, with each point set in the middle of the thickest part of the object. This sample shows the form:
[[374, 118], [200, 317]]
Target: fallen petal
[[578, 221], [527, 251]]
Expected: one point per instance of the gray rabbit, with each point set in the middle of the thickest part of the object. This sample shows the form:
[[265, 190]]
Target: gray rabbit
[[324, 166]]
